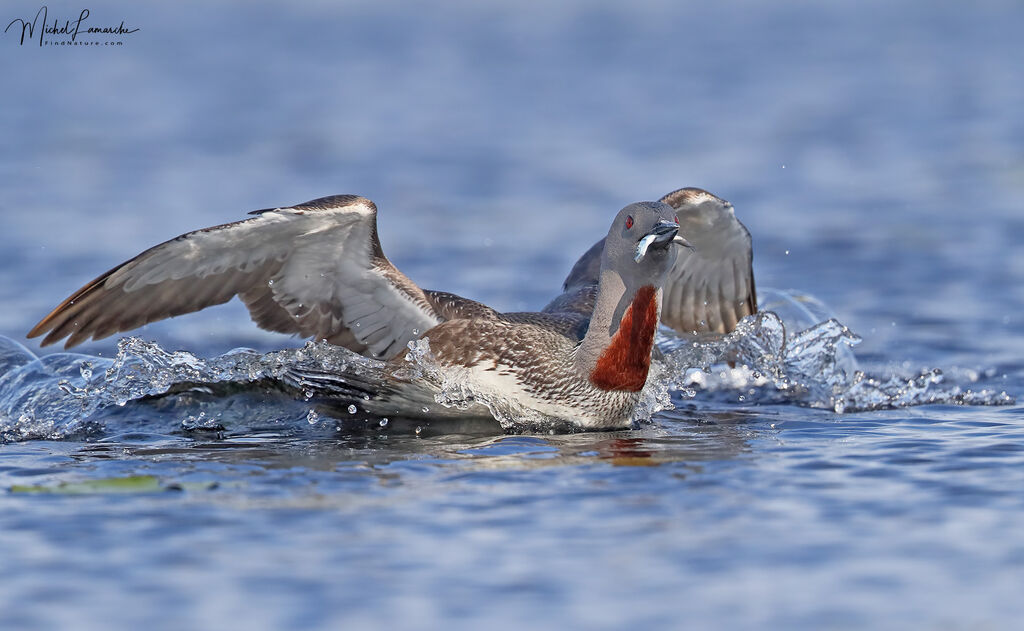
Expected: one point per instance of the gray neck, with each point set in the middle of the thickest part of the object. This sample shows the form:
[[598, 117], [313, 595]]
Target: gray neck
[[613, 297]]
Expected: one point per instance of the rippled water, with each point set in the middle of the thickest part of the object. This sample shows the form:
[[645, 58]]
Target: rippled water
[[873, 149]]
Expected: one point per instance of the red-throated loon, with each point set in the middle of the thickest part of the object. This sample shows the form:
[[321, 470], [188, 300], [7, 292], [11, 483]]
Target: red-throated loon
[[317, 269]]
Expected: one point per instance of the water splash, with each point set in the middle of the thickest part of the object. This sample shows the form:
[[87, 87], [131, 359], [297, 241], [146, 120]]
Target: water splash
[[762, 361], [59, 395]]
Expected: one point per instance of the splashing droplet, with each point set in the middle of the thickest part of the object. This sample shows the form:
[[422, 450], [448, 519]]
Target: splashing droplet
[[419, 429], [312, 417], [352, 409], [384, 422], [201, 422]]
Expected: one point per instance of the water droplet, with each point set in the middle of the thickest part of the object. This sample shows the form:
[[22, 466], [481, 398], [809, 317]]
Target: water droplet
[[384, 422], [352, 409], [86, 370], [308, 394], [312, 417], [425, 409], [787, 252], [197, 421], [418, 430], [366, 397], [270, 283], [415, 331]]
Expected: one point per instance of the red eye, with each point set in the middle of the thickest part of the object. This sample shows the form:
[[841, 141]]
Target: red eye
[[629, 222], [677, 220]]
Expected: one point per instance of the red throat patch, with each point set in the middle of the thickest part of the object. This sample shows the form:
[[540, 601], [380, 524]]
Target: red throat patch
[[626, 361]]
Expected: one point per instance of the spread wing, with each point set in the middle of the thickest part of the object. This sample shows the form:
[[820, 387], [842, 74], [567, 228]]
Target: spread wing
[[709, 288], [315, 269]]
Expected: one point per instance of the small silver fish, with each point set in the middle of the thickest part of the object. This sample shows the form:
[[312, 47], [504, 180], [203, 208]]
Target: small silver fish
[[641, 248]]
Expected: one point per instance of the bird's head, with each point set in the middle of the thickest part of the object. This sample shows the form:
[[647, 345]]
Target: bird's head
[[640, 246]]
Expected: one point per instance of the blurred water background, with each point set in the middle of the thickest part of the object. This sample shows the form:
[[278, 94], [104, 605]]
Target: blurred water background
[[875, 150]]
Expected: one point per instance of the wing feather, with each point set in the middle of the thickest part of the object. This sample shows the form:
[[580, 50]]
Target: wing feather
[[719, 268], [315, 269]]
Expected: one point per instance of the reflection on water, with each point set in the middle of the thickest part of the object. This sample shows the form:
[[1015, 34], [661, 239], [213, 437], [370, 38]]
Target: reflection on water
[[693, 437], [273, 469]]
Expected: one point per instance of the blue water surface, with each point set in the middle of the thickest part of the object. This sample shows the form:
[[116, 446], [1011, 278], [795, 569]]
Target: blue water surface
[[875, 150]]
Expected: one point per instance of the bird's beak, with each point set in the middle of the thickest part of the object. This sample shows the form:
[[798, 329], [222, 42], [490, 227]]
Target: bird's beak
[[663, 233]]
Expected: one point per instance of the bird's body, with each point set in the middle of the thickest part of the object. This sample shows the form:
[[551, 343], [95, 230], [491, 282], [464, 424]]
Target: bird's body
[[317, 269], [530, 364]]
